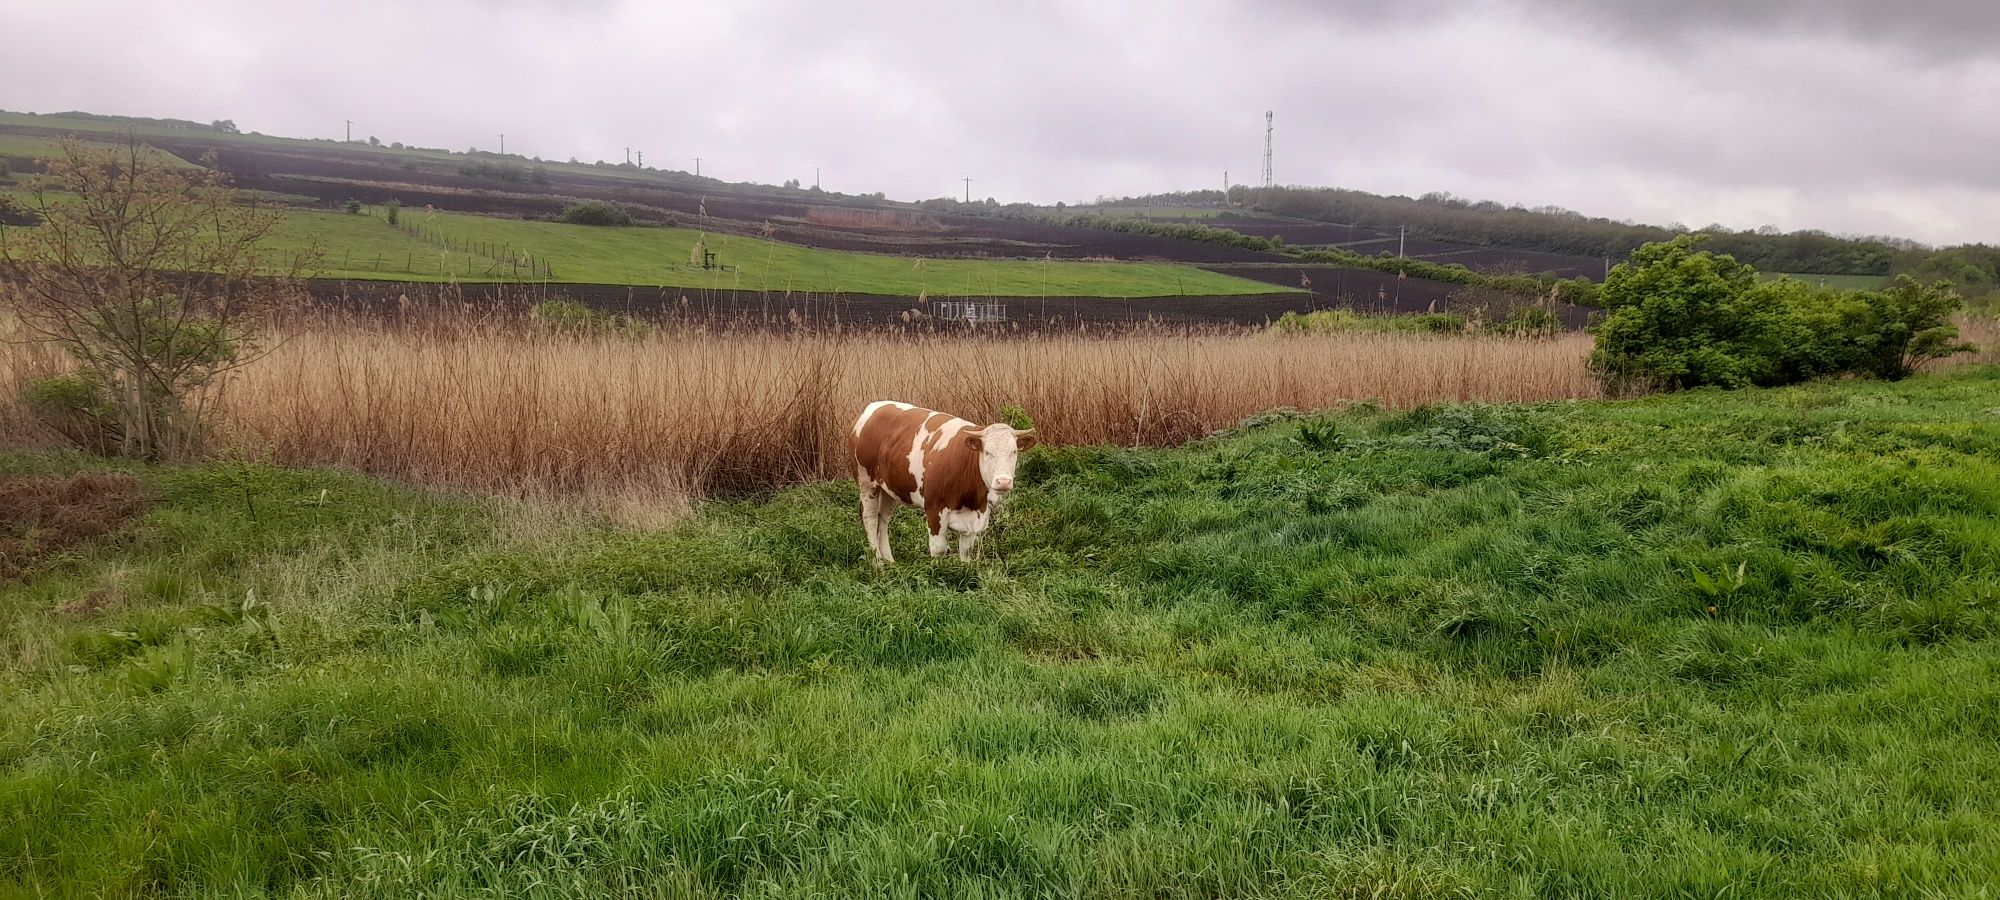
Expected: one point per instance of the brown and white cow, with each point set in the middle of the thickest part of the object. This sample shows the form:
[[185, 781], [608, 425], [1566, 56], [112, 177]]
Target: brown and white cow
[[955, 470]]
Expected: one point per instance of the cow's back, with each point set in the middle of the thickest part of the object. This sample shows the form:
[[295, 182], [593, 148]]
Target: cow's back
[[886, 444]]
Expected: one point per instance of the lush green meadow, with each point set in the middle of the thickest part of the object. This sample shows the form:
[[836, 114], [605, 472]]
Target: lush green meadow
[[484, 248], [1712, 644]]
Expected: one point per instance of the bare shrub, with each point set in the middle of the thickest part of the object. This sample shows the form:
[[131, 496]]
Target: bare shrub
[[151, 278]]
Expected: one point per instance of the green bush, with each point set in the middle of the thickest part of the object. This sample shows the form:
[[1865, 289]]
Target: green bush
[[394, 206], [596, 212], [12, 213], [1529, 321], [1679, 317], [77, 407], [571, 317]]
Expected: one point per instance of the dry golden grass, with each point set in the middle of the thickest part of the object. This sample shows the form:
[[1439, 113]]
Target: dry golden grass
[[633, 426], [1982, 329]]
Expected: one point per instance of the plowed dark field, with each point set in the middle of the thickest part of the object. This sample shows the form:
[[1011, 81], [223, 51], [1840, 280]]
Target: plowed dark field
[[752, 309]]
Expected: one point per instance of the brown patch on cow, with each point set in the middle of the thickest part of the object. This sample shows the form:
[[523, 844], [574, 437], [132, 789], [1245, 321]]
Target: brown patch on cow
[[951, 478], [882, 449], [41, 516]]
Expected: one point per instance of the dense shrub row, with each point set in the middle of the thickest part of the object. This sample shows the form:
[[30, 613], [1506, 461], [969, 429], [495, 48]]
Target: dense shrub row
[[1523, 321], [511, 172]]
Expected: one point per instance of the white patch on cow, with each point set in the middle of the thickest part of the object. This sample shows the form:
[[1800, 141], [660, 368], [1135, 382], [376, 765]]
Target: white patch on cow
[[966, 521], [916, 460], [999, 457], [868, 412], [951, 428]]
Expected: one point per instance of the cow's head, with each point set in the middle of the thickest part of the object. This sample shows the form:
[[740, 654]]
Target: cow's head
[[999, 447]]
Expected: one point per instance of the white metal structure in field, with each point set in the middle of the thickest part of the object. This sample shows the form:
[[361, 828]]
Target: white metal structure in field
[[969, 310]]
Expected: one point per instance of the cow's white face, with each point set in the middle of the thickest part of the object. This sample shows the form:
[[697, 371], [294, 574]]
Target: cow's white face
[[999, 448]]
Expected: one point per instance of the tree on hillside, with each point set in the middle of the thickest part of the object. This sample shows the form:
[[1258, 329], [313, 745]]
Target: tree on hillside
[[154, 280]]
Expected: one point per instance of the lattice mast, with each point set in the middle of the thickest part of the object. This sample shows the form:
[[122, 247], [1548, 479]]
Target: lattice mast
[[1267, 148]]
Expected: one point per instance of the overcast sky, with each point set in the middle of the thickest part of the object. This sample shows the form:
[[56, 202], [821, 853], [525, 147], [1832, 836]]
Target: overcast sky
[[1843, 115]]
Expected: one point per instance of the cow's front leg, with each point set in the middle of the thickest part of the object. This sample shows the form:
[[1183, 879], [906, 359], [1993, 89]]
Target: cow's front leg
[[940, 531], [968, 545]]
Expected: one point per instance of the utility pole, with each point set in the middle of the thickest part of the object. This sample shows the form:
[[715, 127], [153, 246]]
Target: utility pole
[[628, 156], [350, 132], [815, 178], [968, 189], [697, 167], [642, 159], [503, 143], [1225, 184], [1402, 231]]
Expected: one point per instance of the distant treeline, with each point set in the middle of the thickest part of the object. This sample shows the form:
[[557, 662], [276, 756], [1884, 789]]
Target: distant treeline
[[1973, 268]]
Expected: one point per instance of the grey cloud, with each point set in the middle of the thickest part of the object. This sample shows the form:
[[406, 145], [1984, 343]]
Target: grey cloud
[[1794, 114], [1939, 29]]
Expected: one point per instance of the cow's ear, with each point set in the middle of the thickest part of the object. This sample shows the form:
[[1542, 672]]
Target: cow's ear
[[1025, 439], [977, 443]]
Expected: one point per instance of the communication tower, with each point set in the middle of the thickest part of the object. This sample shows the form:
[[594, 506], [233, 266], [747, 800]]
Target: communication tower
[[1267, 148]]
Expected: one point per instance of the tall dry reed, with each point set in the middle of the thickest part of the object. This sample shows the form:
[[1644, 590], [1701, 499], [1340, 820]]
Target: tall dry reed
[[646, 422]]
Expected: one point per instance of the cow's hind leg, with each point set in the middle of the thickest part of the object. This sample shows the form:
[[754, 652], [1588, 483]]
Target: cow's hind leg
[[885, 511], [876, 507]]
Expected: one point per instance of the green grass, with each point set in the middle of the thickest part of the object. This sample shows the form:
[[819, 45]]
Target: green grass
[[1462, 651], [27, 146], [1842, 282], [660, 257]]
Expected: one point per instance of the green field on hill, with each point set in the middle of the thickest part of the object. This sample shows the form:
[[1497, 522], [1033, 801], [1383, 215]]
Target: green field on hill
[[466, 247], [1740, 644], [28, 146]]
